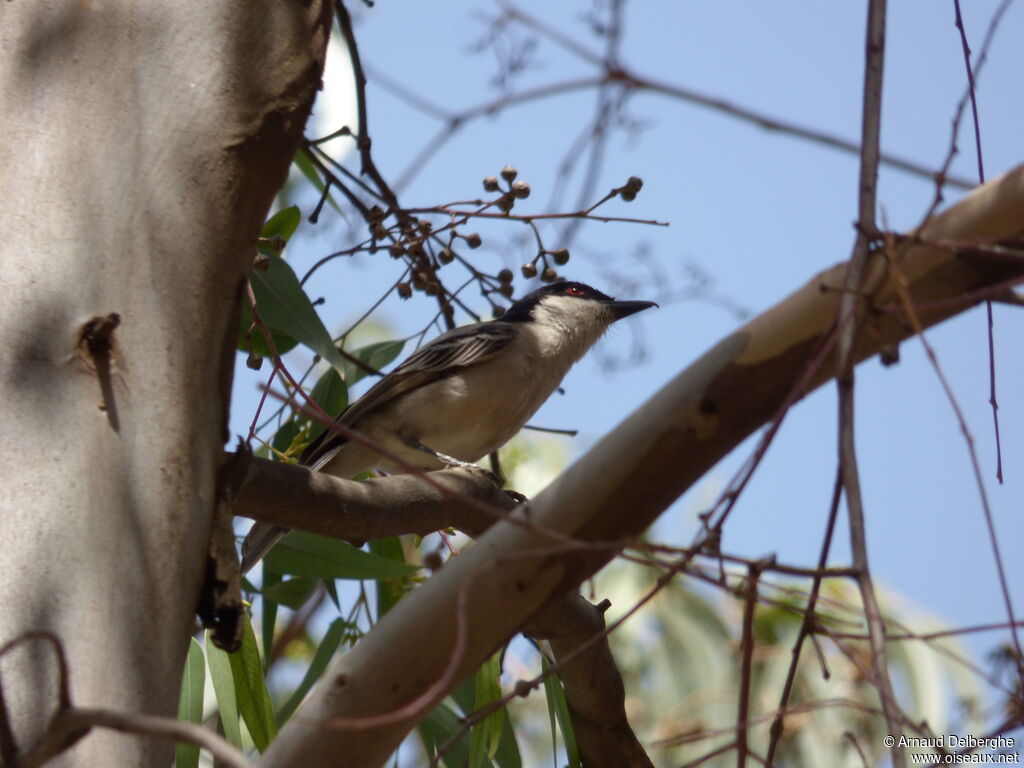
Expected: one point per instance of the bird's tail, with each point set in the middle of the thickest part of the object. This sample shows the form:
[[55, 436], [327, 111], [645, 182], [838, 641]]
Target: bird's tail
[[260, 539], [262, 536]]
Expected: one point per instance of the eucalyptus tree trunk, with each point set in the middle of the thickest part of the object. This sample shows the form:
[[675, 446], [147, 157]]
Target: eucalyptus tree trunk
[[142, 146]]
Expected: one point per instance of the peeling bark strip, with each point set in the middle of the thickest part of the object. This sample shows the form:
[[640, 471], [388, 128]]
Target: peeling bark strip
[[98, 335], [98, 347], [630, 477]]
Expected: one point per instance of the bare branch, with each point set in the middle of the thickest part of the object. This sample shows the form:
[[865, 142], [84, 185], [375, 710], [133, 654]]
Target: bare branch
[[849, 328], [296, 497], [593, 686]]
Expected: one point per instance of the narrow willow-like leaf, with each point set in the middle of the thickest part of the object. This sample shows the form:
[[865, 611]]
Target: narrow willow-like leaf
[[324, 653], [251, 691], [282, 224], [507, 755], [224, 689], [389, 590], [305, 165], [436, 729], [291, 593], [559, 707], [486, 735], [190, 706], [305, 554], [269, 616]]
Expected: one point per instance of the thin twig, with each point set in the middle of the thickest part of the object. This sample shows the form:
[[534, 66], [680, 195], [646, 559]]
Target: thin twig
[[455, 121], [848, 328], [69, 722], [911, 314], [990, 324], [807, 624], [164, 728], [746, 664]]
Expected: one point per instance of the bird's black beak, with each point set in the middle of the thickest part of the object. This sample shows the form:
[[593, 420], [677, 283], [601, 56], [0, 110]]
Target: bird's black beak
[[623, 309]]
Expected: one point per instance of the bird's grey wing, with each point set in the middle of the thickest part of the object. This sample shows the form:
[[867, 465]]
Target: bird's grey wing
[[457, 348]]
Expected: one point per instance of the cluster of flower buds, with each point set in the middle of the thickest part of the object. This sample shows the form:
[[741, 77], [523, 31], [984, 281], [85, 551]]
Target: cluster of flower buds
[[517, 190], [415, 242], [548, 274], [411, 245]]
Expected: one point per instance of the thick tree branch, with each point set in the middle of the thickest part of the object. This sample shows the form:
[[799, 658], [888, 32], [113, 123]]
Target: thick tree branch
[[296, 497], [610, 495], [593, 685]]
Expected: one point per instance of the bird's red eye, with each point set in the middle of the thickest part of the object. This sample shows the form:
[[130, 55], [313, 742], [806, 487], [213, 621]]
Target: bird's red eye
[[574, 290]]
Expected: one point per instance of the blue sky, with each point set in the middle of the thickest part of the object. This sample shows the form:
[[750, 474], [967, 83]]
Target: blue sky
[[759, 212]]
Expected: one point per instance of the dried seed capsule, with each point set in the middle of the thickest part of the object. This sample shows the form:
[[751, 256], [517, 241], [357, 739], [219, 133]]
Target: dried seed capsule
[[521, 190], [491, 184], [508, 173], [473, 240], [630, 188], [549, 275], [529, 270], [505, 276], [560, 256]]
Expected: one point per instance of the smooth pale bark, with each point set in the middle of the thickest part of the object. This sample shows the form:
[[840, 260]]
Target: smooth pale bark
[[437, 635], [297, 497], [142, 145]]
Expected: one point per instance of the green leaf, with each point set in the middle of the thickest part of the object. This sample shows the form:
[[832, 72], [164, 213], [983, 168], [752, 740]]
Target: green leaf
[[304, 164], [285, 436], [291, 593], [257, 342], [324, 653], [487, 734], [251, 690], [332, 592], [285, 308], [331, 393], [377, 356], [224, 689], [190, 706], [558, 710], [282, 224], [437, 728], [269, 617], [507, 755], [389, 590], [305, 554]]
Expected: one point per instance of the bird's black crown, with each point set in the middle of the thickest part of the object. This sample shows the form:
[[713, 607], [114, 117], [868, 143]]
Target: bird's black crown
[[522, 310]]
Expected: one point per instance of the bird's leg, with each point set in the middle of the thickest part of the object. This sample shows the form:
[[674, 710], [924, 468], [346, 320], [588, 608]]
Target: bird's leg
[[450, 461]]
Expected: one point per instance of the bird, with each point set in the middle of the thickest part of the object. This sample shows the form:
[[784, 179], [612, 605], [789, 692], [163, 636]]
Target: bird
[[464, 394]]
